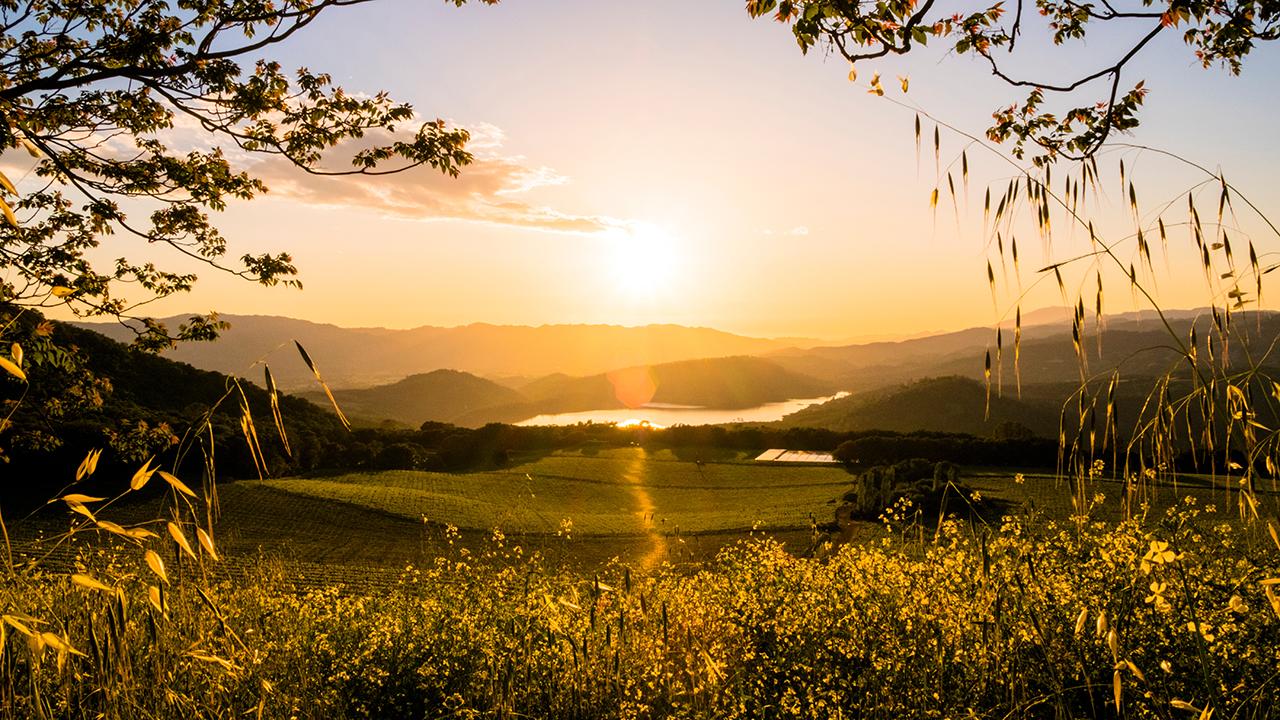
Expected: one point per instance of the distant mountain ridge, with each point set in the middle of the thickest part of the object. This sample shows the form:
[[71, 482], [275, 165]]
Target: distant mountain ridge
[[372, 370], [464, 399], [364, 357], [1047, 353], [936, 383]]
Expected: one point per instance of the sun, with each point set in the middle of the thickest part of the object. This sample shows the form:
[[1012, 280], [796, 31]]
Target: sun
[[645, 261]]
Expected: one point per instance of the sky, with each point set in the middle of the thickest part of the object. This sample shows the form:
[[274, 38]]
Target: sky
[[677, 162]]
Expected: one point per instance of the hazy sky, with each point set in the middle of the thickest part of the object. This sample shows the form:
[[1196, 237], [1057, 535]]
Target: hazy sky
[[678, 162]]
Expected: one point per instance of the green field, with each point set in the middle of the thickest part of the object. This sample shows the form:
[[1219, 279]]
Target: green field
[[644, 507], [627, 503], [640, 506], [617, 493]]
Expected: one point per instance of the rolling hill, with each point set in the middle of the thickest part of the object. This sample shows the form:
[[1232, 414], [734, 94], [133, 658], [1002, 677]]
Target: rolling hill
[[463, 399], [440, 395], [364, 357], [1136, 343], [936, 382], [945, 404], [141, 406]]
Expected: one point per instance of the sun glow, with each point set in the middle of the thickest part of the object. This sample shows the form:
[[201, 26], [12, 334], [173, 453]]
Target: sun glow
[[640, 423], [645, 262]]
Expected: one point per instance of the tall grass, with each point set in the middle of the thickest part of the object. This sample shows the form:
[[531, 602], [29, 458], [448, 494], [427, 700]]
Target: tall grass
[[1169, 619]]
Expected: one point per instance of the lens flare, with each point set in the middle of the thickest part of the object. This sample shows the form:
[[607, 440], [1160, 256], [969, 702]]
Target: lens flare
[[633, 387]]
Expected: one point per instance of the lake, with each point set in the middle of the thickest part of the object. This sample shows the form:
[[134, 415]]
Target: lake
[[659, 415]]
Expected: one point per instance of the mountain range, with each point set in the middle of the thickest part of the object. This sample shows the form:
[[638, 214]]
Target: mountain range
[[465, 399], [365, 357], [931, 383]]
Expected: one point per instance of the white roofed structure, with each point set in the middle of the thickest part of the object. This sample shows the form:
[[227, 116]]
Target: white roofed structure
[[796, 456]]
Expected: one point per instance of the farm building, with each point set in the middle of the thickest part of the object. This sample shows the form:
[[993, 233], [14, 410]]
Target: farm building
[[798, 456]]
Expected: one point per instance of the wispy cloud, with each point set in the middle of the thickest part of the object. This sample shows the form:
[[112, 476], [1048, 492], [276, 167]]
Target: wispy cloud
[[492, 189], [488, 190]]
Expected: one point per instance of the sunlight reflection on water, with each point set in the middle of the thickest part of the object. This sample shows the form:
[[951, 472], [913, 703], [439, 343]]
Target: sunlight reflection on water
[[659, 416]]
